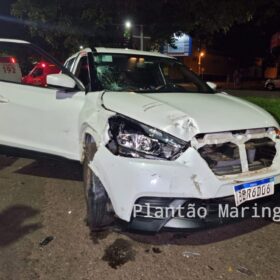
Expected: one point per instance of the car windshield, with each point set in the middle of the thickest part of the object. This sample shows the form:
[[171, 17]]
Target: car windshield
[[144, 74]]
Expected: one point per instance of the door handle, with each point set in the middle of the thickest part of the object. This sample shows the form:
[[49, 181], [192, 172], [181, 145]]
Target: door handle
[[3, 99]]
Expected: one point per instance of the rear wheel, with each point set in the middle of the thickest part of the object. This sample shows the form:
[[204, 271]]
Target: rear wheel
[[99, 213]]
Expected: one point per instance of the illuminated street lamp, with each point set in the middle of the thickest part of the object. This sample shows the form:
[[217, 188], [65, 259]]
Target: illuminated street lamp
[[127, 24], [201, 54], [127, 32]]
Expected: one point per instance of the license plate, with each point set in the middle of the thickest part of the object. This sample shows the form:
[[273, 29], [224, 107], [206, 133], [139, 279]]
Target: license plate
[[253, 190]]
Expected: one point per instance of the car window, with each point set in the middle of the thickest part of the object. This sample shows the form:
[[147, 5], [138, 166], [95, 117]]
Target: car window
[[69, 63], [82, 71], [37, 72], [174, 75], [144, 74], [23, 64]]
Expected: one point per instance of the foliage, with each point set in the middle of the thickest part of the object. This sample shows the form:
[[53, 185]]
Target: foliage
[[71, 23]]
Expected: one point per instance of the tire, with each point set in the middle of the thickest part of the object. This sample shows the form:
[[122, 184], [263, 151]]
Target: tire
[[270, 86], [99, 214]]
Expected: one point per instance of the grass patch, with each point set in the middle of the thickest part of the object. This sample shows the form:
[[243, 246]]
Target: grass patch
[[272, 105]]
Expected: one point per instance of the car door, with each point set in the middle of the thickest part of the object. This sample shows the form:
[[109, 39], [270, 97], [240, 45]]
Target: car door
[[36, 117]]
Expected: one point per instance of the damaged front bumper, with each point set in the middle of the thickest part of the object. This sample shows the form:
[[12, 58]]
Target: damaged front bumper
[[191, 177]]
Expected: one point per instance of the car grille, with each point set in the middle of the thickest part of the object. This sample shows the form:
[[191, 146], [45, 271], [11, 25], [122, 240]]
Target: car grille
[[260, 153], [224, 159], [212, 206], [150, 205]]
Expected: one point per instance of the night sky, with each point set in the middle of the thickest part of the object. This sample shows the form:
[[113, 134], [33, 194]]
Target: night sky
[[10, 30], [245, 40]]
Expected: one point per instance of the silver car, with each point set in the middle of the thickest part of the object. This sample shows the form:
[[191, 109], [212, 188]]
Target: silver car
[[272, 84]]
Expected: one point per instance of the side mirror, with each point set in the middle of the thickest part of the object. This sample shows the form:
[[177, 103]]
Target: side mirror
[[212, 85], [61, 80]]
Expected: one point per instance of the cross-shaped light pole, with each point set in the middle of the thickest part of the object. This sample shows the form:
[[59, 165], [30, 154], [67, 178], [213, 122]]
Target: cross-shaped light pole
[[128, 25]]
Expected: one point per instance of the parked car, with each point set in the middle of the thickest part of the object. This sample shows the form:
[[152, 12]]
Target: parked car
[[151, 135], [272, 84], [38, 75]]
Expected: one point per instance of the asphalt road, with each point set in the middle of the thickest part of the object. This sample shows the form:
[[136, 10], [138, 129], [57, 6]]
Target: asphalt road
[[43, 236]]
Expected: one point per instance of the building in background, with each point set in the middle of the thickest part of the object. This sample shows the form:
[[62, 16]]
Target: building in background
[[210, 64], [272, 71]]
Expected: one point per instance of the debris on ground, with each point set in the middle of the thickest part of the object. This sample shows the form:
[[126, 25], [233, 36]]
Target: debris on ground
[[156, 250], [190, 254], [46, 241], [119, 253], [245, 270]]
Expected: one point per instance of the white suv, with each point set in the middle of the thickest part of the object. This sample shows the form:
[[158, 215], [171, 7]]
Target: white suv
[[150, 134]]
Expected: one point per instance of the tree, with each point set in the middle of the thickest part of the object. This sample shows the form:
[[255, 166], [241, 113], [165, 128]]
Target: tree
[[70, 23], [65, 24]]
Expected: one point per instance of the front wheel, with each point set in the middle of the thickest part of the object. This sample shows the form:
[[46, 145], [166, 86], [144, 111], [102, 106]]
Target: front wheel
[[99, 213], [270, 86]]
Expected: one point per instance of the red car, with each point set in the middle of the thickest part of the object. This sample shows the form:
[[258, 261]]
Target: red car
[[38, 75]]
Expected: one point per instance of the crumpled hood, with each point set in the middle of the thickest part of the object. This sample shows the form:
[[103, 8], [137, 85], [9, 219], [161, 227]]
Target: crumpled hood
[[186, 114]]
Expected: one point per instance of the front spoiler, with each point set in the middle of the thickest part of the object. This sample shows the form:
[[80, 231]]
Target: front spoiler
[[210, 221]]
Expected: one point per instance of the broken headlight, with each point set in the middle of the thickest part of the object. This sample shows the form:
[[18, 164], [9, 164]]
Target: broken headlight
[[130, 138], [277, 132]]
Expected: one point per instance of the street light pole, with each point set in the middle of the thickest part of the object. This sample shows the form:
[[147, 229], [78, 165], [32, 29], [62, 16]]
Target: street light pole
[[200, 55], [127, 33], [141, 38]]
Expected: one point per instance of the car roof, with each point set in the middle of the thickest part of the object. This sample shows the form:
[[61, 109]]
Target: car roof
[[13, 41], [120, 51], [130, 51]]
